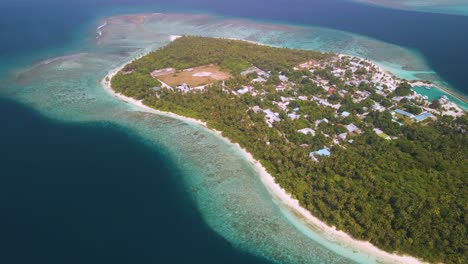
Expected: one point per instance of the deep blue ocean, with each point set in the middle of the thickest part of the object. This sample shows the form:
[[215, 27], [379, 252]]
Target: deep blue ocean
[[69, 194]]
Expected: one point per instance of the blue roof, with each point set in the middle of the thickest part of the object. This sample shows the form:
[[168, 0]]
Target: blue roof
[[401, 112], [422, 116], [323, 152]]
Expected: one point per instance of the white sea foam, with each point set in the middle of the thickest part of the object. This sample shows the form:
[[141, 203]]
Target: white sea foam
[[52, 60], [100, 29]]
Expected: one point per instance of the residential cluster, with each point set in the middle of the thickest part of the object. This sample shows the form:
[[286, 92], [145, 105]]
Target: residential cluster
[[332, 101]]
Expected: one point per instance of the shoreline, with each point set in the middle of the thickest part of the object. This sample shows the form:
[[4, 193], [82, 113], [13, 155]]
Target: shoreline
[[106, 83], [441, 88], [330, 233], [418, 82]]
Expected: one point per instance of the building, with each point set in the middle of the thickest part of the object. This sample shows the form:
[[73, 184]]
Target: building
[[422, 117], [352, 128], [342, 136], [306, 131], [280, 88], [404, 113], [294, 116], [322, 152], [256, 109], [271, 117], [283, 78], [345, 114], [259, 80], [252, 70], [318, 122], [243, 90]]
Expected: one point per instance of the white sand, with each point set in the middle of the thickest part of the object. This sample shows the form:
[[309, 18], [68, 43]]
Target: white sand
[[332, 233], [268, 180], [106, 83]]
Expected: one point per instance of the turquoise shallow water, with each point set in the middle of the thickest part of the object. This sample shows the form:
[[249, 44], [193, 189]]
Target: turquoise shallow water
[[224, 186], [435, 93], [452, 7], [431, 94]]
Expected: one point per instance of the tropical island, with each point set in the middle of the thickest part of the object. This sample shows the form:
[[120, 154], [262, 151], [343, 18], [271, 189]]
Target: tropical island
[[355, 145]]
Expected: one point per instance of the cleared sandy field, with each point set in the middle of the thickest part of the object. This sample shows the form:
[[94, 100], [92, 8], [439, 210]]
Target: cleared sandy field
[[197, 76]]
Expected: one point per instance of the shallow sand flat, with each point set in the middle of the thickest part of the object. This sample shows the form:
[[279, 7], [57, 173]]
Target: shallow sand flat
[[452, 7]]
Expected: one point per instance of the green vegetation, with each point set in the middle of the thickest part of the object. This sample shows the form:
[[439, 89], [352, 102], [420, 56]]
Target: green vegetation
[[135, 84], [233, 55], [403, 89], [407, 195]]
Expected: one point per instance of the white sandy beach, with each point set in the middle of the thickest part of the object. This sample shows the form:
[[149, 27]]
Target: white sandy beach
[[329, 233], [106, 83]]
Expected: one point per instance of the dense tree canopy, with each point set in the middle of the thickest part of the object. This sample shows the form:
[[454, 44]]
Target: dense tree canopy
[[233, 55], [407, 195]]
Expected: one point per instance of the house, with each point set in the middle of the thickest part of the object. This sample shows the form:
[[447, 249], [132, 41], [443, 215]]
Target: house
[[342, 136], [378, 107], [271, 117], [256, 109], [404, 113], [306, 131], [318, 122], [282, 105], [353, 128], [345, 114], [283, 78], [331, 90], [280, 88], [302, 98], [243, 90], [259, 79], [252, 70], [323, 152], [294, 116], [378, 131], [422, 117]]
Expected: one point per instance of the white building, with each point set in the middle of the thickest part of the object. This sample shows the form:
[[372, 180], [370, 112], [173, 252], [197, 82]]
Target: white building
[[306, 131]]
